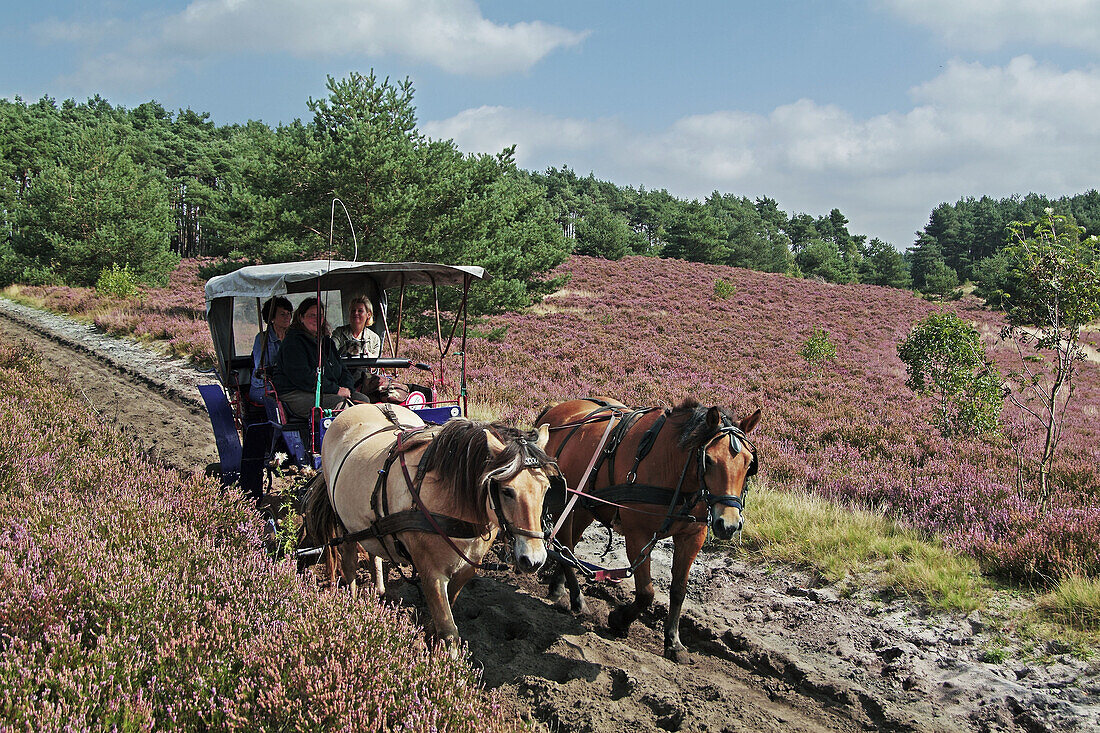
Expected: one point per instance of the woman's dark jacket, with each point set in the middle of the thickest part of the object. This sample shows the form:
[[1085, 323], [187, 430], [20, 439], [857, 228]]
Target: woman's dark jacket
[[296, 365]]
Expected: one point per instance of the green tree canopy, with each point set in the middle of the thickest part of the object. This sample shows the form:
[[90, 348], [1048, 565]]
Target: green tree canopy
[[945, 358]]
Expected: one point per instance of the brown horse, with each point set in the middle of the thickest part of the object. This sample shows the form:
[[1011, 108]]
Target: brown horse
[[667, 473], [467, 481]]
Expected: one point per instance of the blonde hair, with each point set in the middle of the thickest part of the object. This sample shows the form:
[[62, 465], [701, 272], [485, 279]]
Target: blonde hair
[[366, 304]]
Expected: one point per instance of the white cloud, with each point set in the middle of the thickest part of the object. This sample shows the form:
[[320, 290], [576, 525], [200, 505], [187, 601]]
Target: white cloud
[[990, 24], [973, 130], [450, 34]]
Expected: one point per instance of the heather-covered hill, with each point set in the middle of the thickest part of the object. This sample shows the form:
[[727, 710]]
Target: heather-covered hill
[[650, 331]]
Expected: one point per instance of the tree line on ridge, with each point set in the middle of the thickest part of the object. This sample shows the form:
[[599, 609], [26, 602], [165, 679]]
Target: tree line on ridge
[[91, 186]]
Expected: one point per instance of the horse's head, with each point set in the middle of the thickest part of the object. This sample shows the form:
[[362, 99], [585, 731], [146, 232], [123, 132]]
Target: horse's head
[[726, 461], [517, 477]]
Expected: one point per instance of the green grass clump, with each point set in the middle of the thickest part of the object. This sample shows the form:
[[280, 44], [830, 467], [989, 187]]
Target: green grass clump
[[841, 542], [1075, 602], [724, 289]]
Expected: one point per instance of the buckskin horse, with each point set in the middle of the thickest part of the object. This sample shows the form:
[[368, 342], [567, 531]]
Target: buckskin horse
[[468, 480], [648, 473]]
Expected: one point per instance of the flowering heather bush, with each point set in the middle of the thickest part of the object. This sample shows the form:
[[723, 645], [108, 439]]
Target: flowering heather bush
[[134, 600]]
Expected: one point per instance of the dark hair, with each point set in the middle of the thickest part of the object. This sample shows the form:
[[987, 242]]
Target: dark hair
[[268, 310], [691, 418]]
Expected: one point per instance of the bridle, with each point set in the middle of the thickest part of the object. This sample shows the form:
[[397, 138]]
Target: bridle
[[530, 461], [737, 437]]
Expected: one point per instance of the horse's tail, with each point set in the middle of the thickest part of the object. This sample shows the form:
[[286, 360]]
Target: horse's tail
[[319, 521]]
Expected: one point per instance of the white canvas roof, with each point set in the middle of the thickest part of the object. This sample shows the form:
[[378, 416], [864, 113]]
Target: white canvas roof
[[263, 281]]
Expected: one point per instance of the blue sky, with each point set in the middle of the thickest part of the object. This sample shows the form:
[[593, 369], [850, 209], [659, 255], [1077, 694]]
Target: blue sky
[[882, 108]]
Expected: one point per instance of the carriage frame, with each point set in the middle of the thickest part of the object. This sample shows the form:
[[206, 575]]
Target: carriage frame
[[247, 435]]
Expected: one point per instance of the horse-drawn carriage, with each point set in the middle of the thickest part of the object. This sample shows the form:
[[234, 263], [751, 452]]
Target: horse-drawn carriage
[[685, 469], [247, 433]]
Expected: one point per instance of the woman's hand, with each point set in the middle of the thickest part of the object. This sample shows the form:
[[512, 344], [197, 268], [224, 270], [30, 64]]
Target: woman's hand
[[343, 392]]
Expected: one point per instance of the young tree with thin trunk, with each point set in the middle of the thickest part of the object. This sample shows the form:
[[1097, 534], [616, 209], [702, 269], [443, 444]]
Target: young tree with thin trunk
[[1056, 270]]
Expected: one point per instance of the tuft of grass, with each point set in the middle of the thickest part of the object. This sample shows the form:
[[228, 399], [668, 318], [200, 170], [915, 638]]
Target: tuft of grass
[[842, 543], [15, 293], [485, 411], [1075, 602]]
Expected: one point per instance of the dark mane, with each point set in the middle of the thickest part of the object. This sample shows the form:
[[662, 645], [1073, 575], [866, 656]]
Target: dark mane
[[691, 418], [459, 455]]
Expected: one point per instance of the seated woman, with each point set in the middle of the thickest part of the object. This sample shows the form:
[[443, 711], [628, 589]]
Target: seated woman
[[276, 313], [295, 374], [356, 338]]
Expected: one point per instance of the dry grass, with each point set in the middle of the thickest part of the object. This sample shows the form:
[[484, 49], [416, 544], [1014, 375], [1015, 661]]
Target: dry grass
[[1075, 602], [848, 545]]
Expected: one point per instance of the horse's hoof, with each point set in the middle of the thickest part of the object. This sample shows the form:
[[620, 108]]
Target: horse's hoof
[[680, 656], [579, 606], [617, 623]]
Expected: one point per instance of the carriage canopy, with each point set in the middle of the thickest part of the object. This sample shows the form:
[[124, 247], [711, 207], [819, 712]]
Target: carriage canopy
[[259, 282]]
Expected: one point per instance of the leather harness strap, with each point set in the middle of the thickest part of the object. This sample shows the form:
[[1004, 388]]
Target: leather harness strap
[[414, 489], [419, 519]]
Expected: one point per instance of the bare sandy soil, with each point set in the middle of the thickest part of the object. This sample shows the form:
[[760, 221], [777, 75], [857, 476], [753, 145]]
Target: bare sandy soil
[[772, 650]]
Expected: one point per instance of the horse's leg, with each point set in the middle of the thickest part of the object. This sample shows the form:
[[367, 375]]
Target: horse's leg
[[457, 581], [571, 534], [378, 574], [435, 592], [685, 547], [331, 565], [620, 619], [556, 590], [349, 566]]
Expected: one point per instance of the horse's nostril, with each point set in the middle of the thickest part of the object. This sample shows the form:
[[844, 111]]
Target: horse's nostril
[[528, 564]]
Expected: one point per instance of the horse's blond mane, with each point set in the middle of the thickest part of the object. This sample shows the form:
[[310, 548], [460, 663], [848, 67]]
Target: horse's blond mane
[[459, 455]]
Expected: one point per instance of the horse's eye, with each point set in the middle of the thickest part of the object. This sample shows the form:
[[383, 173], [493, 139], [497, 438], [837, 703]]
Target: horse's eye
[[507, 492]]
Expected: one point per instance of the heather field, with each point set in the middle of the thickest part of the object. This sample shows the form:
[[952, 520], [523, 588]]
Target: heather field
[[134, 600], [653, 331], [174, 315]]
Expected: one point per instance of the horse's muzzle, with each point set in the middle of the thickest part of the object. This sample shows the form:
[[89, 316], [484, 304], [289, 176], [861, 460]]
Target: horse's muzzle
[[724, 529], [530, 555]]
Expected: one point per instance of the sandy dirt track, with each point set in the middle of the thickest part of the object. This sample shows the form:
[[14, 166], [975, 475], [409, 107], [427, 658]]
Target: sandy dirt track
[[773, 650]]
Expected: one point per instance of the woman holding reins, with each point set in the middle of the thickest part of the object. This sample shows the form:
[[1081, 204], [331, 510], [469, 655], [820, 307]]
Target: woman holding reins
[[295, 372]]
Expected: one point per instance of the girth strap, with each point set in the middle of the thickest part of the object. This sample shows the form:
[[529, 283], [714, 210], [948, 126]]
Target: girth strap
[[413, 519], [639, 494]]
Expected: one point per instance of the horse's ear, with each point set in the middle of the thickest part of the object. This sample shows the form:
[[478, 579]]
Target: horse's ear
[[495, 446], [750, 422], [714, 418], [544, 435]]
